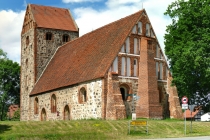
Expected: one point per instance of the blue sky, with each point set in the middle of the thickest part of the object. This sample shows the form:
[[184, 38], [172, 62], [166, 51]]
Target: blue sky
[[89, 15]]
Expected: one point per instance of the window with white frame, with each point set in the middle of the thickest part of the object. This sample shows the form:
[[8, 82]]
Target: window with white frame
[[139, 27], [157, 51]]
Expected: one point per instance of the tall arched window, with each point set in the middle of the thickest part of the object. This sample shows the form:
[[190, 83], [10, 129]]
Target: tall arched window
[[127, 45], [36, 106], [147, 29], [82, 95], [65, 38], [43, 115], [53, 103], [48, 36], [66, 113]]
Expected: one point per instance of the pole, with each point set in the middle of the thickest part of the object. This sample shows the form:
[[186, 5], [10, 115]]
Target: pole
[[185, 122], [191, 123]]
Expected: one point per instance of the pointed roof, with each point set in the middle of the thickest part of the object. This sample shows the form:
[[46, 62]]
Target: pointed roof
[[86, 58], [52, 17]]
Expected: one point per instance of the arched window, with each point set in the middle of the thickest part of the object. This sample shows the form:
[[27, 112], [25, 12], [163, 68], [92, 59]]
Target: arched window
[[53, 103], [43, 115], [48, 36], [36, 106], [27, 40], [65, 38], [82, 95], [127, 45], [128, 70], [66, 113]]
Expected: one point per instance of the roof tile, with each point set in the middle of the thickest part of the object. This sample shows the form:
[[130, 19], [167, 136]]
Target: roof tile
[[86, 58], [53, 18]]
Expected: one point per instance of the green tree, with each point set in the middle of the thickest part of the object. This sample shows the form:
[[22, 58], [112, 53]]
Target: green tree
[[187, 46], [9, 83]]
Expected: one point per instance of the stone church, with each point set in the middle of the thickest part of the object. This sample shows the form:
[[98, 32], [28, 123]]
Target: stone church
[[109, 73]]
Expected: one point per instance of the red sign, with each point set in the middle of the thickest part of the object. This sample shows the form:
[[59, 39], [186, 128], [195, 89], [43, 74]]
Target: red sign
[[184, 100]]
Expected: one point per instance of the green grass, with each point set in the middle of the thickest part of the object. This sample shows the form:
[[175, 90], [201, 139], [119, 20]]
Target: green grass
[[97, 130]]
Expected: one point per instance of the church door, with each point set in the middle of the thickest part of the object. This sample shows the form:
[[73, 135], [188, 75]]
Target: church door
[[66, 113]]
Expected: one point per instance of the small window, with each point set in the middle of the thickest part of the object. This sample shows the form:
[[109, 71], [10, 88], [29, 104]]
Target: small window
[[139, 28], [27, 40], [36, 106], [65, 38], [147, 29], [127, 43], [82, 95], [27, 63], [134, 30], [48, 36], [122, 49], [115, 65], [53, 103]]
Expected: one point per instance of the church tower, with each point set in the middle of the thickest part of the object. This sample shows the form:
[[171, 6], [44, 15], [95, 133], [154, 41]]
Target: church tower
[[44, 30]]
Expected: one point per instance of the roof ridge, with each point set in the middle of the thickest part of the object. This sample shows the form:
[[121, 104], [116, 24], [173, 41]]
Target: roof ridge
[[48, 6]]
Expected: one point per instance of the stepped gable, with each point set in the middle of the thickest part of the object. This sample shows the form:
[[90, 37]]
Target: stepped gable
[[53, 18], [86, 58]]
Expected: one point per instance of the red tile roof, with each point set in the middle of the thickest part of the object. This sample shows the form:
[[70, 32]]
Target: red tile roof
[[86, 58], [53, 18]]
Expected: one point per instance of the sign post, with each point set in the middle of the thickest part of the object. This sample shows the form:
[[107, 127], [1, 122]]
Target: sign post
[[184, 106]]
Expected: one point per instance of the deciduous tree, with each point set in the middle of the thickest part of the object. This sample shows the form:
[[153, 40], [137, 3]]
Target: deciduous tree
[[9, 83], [187, 46]]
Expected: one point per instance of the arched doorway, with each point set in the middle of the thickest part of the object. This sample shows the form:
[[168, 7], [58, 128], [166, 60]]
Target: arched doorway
[[66, 113], [124, 92], [43, 115]]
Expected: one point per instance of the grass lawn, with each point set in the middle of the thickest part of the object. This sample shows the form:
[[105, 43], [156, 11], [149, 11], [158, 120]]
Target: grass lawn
[[98, 130]]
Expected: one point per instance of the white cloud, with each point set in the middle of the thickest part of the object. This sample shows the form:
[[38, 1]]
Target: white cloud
[[89, 19], [76, 1], [10, 27]]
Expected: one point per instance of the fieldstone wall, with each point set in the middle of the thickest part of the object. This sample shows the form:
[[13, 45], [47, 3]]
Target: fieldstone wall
[[27, 72], [46, 48], [69, 96]]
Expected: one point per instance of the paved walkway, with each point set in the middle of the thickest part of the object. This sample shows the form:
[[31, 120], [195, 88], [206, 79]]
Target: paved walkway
[[185, 138]]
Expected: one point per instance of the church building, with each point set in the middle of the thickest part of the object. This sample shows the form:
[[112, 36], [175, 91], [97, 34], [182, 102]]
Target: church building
[[108, 73]]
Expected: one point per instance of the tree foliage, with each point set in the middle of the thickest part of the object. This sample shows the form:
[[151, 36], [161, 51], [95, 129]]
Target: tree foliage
[[9, 83], [187, 46]]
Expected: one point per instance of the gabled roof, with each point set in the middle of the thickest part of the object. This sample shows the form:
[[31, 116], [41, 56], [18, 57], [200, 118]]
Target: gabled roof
[[53, 18], [86, 58]]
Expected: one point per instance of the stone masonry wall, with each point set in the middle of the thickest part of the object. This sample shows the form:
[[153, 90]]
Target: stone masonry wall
[[46, 48], [69, 96], [27, 72]]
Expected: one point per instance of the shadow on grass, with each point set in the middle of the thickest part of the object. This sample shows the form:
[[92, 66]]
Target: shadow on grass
[[4, 128]]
